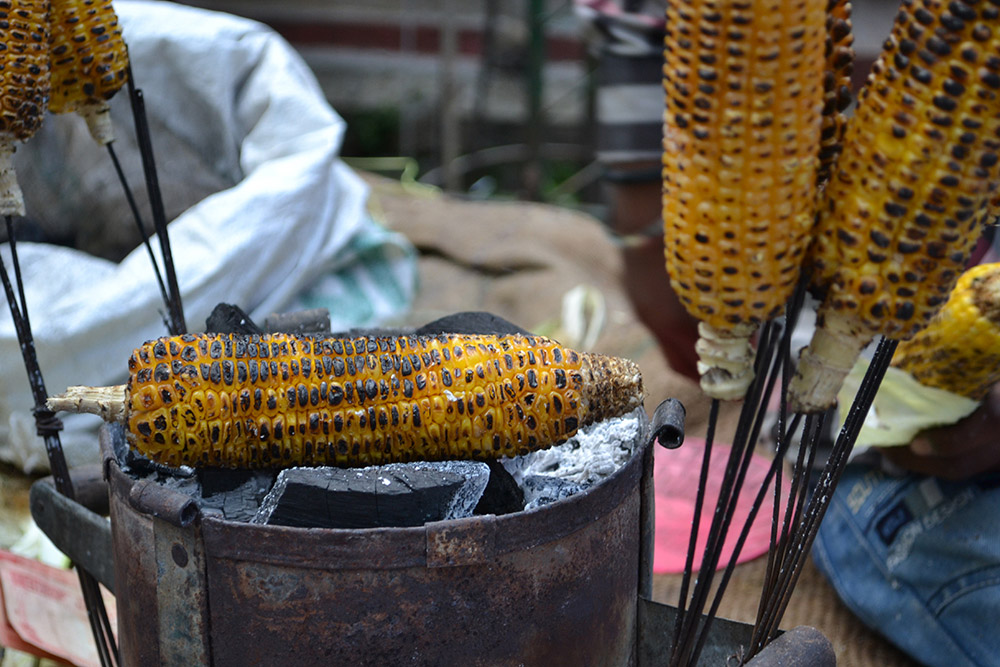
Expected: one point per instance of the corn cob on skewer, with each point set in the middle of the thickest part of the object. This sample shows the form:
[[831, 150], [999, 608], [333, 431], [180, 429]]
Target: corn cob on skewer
[[959, 351], [836, 84], [89, 62], [744, 87], [281, 400], [906, 203], [24, 87]]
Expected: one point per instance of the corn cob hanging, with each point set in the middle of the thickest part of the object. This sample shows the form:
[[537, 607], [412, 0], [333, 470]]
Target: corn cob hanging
[[24, 87], [906, 203], [959, 351], [836, 84], [744, 87], [279, 400], [89, 62]]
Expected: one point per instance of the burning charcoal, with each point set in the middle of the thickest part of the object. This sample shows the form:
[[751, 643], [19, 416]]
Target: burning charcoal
[[502, 494], [401, 494], [541, 490]]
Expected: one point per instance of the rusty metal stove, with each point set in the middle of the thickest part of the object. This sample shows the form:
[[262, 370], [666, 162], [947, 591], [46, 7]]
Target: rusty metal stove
[[565, 584]]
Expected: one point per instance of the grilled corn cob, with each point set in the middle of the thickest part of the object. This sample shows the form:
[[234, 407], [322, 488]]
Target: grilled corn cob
[[89, 62], [906, 203], [744, 87], [280, 400], [959, 351], [836, 84], [24, 87]]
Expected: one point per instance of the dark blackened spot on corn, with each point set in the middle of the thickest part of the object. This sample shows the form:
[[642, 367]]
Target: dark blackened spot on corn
[[371, 388], [159, 350], [227, 371], [923, 16], [991, 79], [904, 310], [445, 377], [570, 424], [962, 10], [160, 423], [415, 418], [408, 388], [420, 381]]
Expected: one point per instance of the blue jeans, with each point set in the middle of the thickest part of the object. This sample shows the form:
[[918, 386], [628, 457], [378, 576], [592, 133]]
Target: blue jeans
[[918, 559]]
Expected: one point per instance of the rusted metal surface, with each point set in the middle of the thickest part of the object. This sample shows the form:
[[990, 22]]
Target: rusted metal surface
[[555, 585], [728, 639], [803, 646], [79, 532]]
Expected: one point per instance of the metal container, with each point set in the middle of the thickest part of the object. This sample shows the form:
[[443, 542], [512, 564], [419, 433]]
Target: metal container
[[556, 585]]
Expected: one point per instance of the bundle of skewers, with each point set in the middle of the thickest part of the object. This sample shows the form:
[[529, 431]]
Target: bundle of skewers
[[69, 56], [770, 190]]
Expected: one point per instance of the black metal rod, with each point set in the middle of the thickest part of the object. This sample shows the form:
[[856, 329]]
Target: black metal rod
[[713, 418], [175, 308], [827, 484], [761, 401], [48, 428], [137, 217], [729, 490], [12, 241]]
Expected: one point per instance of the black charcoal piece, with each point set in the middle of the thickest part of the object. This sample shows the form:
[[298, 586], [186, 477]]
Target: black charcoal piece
[[502, 494], [541, 490], [473, 322], [300, 322], [236, 493], [395, 495], [227, 318]]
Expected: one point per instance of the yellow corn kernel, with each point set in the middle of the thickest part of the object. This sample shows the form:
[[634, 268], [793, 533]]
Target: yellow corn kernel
[[905, 205], [89, 62], [280, 400], [24, 87], [744, 88], [959, 351]]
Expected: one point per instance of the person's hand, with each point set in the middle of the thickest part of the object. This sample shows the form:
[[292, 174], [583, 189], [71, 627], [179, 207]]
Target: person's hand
[[959, 451]]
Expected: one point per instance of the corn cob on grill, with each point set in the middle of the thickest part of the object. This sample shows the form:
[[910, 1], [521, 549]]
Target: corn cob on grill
[[744, 87], [24, 87], [280, 400], [905, 206], [89, 62], [959, 351]]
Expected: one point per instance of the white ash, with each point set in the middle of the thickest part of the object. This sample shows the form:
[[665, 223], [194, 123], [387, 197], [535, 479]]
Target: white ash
[[595, 453]]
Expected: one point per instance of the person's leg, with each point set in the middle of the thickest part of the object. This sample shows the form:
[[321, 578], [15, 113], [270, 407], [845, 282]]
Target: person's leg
[[918, 559]]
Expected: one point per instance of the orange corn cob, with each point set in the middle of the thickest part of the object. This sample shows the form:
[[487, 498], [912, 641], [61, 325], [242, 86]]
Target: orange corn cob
[[280, 400], [89, 62], [959, 351], [910, 192], [24, 87], [744, 86]]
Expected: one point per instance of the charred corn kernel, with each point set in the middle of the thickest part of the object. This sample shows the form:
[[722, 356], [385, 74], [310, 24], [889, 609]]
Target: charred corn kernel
[[744, 88], [959, 351], [24, 87], [280, 400], [905, 206], [89, 62], [836, 84]]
